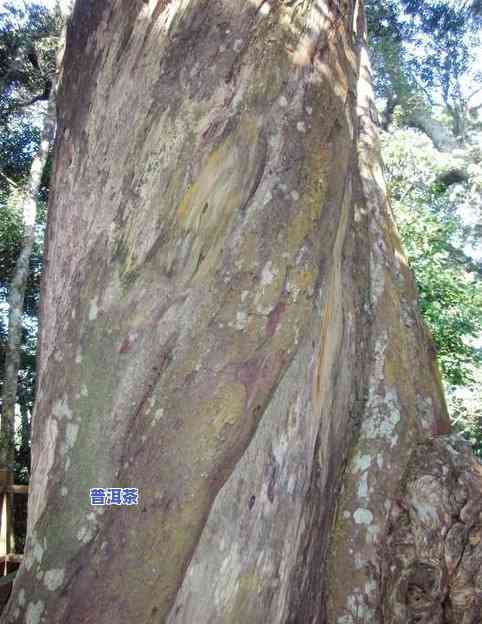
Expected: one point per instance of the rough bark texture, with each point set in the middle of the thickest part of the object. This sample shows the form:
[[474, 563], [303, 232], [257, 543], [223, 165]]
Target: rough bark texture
[[230, 325]]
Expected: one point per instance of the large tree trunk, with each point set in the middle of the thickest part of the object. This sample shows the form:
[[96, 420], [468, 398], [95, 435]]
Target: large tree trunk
[[229, 324]]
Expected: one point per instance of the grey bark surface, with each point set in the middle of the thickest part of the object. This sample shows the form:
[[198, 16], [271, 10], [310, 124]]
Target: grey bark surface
[[229, 324]]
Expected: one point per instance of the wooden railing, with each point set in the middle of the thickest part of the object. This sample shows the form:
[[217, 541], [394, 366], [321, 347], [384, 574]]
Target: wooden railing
[[7, 536]]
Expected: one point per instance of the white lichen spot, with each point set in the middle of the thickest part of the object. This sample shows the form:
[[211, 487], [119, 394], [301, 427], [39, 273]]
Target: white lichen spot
[[34, 612], [300, 126], [54, 578], [425, 411], [157, 416], [37, 550], [281, 449], [238, 44], [283, 102], [87, 531], [83, 391], [267, 198], [383, 411], [363, 516], [265, 8], [241, 319], [361, 463], [37, 499], [362, 489], [356, 604], [21, 597], [346, 514], [360, 563], [61, 409], [309, 110], [71, 434], [78, 357], [28, 560], [377, 275], [373, 532], [295, 195], [63, 491], [93, 310], [267, 275], [229, 572], [150, 403]]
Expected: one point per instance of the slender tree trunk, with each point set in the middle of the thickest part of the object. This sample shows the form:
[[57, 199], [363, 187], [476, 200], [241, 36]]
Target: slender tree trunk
[[18, 288], [229, 325]]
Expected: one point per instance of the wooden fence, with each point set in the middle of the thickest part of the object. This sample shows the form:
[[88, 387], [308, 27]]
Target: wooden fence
[[7, 536]]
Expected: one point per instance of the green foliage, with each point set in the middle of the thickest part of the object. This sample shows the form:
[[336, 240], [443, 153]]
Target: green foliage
[[423, 52], [28, 41], [466, 411], [439, 243], [388, 35]]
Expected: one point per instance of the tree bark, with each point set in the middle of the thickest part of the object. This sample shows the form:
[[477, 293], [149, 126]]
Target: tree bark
[[441, 136], [229, 324], [18, 288]]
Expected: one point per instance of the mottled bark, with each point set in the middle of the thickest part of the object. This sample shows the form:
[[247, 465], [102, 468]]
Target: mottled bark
[[18, 287], [229, 324]]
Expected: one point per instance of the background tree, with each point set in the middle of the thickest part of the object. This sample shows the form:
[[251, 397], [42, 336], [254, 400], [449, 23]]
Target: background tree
[[423, 54], [28, 39], [427, 77]]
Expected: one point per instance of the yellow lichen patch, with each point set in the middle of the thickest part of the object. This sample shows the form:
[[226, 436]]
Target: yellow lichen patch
[[215, 197], [172, 537], [299, 228], [396, 365], [313, 197], [270, 288], [331, 330], [304, 280], [226, 407], [249, 585]]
